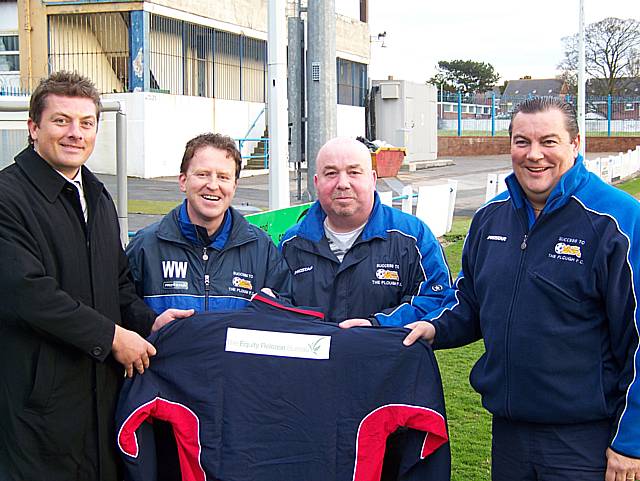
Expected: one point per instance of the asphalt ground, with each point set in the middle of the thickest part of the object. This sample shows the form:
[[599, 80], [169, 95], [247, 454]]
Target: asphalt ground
[[252, 194]]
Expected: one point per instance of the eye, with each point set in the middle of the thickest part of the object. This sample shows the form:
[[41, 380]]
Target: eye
[[549, 142], [520, 143], [88, 124], [330, 173], [60, 121]]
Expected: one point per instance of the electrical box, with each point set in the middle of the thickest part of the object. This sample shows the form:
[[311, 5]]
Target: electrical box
[[406, 115], [390, 90]]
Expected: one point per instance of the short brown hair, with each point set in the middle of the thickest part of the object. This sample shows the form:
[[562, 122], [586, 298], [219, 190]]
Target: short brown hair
[[65, 84], [542, 104], [217, 141]]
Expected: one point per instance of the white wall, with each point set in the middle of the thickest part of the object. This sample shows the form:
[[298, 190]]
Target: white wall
[[9, 16], [348, 8], [351, 121], [234, 118], [159, 126]]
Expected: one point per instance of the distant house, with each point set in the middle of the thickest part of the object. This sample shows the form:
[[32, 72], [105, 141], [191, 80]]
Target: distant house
[[625, 103], [623, 87], [535, 87]]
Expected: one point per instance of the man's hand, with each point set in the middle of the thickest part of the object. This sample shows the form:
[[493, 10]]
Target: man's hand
[[170, 315], [355, 322], [131, 350], [419, 330], [267, 291], [621, 468]]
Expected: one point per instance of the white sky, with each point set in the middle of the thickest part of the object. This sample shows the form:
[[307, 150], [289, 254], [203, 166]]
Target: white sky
[[518, 38]]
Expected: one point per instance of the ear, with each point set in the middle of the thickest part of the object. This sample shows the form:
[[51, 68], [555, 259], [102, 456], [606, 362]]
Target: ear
[[182, 181], [33, 129], [575, 145], [375, 177], [315, 181]]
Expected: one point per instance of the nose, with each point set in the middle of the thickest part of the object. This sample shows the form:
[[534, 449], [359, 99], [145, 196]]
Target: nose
[[74, 130], [535, 152], [343, 181], [212, 182]]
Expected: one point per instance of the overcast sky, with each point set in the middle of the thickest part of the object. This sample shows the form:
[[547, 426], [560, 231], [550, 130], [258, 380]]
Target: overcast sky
[[518, 38]]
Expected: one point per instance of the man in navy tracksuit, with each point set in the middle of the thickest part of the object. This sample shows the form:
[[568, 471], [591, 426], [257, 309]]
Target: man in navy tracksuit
[[549, 276], [357, 259], [204, 255]]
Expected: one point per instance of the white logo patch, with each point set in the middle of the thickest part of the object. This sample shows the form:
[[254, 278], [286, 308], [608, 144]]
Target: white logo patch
[[281, 344], [173, 269], [302, 269], [499, 238]]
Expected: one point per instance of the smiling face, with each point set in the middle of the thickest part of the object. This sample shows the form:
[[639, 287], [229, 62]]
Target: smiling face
[[210, 184], [541, 152], [66, 133], [345, 183]]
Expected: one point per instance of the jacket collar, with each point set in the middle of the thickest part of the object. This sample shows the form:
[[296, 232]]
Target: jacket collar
[[312, 226], [569, 183], [49, 182], [177, 227]]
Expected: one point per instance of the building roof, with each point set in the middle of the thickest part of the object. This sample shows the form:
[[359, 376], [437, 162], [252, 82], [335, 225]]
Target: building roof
[[527, 87], [625, 86]]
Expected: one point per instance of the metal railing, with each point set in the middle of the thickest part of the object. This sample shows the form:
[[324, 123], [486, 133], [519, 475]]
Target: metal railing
[[264, 156], [490, 115]]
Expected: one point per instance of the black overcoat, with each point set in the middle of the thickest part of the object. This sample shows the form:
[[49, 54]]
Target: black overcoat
[[64, 285]]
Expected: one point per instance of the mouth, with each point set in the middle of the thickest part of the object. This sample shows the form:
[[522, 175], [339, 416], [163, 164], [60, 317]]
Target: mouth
[[211, 198], [72, 147], [537, 170]]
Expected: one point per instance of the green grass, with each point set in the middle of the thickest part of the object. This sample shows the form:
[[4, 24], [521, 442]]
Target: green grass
[[631, 187], [159, 207], [469, 423]]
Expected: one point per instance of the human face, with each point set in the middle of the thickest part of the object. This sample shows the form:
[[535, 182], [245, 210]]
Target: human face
[[541, 152], [66, 133], [345, 184], [210, 184]]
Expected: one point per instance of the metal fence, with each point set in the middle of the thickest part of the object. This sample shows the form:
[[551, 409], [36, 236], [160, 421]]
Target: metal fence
[[489, 115]]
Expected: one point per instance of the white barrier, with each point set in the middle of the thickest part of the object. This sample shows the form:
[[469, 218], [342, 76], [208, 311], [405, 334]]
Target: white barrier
[[435, 206], [610, 169], [386, 198]]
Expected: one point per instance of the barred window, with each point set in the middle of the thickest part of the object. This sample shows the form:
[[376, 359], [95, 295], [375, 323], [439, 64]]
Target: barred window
[[352, 82]]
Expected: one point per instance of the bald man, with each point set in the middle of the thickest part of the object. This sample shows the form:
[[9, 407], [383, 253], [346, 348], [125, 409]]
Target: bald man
[[357, 259]]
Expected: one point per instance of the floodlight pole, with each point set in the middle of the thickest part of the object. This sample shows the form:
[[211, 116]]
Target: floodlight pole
[[581, 82]]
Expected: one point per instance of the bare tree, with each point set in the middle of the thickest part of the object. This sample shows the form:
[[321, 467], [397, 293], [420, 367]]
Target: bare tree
[[611, 51]]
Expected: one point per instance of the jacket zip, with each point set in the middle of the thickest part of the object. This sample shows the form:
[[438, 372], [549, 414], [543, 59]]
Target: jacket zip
[[205, 258], [523, 247]]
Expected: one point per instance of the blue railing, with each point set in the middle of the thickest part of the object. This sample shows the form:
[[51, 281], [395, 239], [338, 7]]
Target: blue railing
[[264, 140], [490, 115]]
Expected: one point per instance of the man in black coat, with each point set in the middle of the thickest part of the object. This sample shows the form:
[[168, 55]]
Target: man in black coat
[[70, 321]]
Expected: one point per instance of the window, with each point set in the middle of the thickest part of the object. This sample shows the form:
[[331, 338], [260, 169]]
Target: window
[[9, 53], [448, 108], [352, 82], [628, 107]]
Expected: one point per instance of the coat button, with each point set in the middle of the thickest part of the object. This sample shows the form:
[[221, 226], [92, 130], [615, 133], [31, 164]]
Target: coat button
[[96, 351]]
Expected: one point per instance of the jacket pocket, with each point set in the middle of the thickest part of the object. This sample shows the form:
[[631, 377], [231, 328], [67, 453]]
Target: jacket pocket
[[43, 379], [553, 287]]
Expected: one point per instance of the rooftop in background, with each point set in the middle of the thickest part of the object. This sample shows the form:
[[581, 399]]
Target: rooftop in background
[[538, 87]]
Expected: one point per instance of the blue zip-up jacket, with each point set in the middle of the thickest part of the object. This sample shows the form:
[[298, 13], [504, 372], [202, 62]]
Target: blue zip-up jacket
[[172, 267], [555, 301], [394, 274]]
